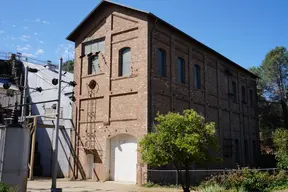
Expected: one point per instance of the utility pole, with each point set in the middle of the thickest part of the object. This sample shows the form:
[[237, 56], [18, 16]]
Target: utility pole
[[25, 94], [56, 135]]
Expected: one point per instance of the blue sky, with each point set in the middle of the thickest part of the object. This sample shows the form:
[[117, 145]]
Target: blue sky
[[244, 31]]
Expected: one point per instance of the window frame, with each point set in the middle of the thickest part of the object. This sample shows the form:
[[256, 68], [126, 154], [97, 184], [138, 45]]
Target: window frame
[[181, 67], [161, 66], [121, 63], [197, 76], [90, 64]]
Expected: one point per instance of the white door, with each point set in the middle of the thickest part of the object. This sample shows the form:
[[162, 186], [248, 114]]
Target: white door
[[123, 158]]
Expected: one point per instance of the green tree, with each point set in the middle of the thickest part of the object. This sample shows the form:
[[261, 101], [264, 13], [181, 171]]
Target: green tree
[[274, 78], [68, 66], [183, 140], [280, 139]]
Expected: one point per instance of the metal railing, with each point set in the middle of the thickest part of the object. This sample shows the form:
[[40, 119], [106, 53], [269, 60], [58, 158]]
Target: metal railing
[[171, 177]]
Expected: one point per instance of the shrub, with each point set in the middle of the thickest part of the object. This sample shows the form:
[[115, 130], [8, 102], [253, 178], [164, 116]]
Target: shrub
[[211, 188], [250, 180], [4, 187]]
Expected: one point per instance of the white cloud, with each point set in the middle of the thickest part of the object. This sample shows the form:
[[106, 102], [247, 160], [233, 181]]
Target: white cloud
[[25, 37], [39, 52], [1, 32], [37, 20], [66, 51], [39, 41], [35, 33], [19, 48], [28, 55], [45, 22], [23, 48]]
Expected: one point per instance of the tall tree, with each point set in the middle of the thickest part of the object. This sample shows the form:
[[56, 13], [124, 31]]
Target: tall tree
[[280, 138], [68, 66], [184, 140], [273, 84]]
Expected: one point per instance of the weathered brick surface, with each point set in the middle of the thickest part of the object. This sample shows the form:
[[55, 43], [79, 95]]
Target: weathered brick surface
[[129, 104]]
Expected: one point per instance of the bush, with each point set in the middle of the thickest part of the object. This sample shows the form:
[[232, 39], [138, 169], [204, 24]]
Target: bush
[[4, 187], [211, 188], [250, 180]]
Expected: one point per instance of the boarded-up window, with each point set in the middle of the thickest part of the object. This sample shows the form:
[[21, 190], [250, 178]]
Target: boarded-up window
[[125, 61], [94, 46]]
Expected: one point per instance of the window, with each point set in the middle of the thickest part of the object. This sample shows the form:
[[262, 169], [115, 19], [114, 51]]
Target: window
[[228, 148], [125, 61], [93, 64], [234, 91], [94, 46], [237, 151], [161, 63], [243, 91], [197, 77], [181, 70], [246, 152], [251, 99]]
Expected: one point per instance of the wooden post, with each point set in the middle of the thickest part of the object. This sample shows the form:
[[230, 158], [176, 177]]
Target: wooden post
[[32, 149]]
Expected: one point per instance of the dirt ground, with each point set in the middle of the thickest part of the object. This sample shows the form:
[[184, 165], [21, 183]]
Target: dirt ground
[[43, 185]]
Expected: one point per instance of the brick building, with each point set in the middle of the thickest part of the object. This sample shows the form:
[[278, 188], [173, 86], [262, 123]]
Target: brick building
[[130, 64]]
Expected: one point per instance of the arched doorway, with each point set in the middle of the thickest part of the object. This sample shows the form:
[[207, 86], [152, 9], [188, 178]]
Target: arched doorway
[[123, 158]]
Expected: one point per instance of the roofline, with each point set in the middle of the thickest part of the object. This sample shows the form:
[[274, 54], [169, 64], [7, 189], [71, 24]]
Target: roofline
[[202, 44], [70, 36]]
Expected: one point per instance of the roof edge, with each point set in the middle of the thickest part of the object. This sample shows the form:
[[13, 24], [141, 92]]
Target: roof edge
[[71, 38], [202, 44]]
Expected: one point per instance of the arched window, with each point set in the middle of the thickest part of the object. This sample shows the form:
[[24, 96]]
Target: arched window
[[181, 70], [125, 61], [161, 62], [197, 77]]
